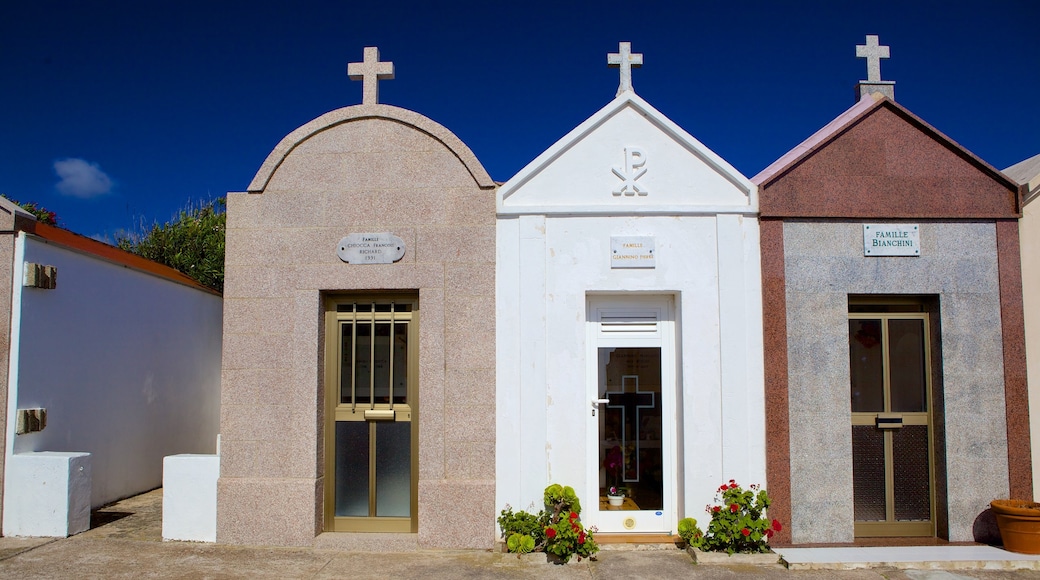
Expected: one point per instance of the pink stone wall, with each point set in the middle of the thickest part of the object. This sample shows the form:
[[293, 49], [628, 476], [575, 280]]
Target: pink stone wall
[[368, 168]]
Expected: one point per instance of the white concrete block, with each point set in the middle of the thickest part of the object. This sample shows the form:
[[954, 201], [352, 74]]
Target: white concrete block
[[190, 497], [47, 493]]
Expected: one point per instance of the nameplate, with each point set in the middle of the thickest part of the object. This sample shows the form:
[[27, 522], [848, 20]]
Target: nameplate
[[891, 240], [382, 248], [631, 252]]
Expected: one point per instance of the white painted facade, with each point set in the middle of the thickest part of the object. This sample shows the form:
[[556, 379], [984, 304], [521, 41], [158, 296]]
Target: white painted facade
[[126, 363], [628, 171]]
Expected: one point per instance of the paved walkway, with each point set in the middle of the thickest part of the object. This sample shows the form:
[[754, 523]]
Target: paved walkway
[[125, 542]]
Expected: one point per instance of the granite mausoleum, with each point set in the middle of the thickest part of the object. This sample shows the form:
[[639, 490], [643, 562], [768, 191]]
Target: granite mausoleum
[[409, 346]]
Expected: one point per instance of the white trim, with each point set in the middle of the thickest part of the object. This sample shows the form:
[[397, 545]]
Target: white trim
[[17, 274], [662, 335], [687, 141]]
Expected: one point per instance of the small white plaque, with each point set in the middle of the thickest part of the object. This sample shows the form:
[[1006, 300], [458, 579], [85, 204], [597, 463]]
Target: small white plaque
[[370, 249], [891, 240], [631, 252]]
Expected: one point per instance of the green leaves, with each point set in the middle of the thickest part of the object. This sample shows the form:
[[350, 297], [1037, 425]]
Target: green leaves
[[739, 522], [193, 243], [557, 529], [520, 543]]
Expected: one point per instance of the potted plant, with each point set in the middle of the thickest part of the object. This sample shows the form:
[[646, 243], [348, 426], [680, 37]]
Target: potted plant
[[616, 495], [1019, 524], [614, 463]]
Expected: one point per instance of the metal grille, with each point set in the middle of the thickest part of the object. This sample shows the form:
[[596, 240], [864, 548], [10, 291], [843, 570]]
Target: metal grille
[[374, 354], [910, 468], [868, 473]]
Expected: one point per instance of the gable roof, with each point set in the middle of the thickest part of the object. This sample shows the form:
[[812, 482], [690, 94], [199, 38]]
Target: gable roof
[[877, 159], [1027, 173], [581, 153]]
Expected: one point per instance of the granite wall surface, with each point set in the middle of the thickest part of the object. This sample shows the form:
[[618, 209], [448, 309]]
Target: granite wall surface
[[367, 168], [824, 264]]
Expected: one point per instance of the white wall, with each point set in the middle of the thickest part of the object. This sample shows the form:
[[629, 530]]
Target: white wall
[[547, 266], [126, 363], [1029, 232]]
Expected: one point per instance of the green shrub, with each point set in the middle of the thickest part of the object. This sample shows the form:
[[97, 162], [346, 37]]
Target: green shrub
[[739, 523], [690, 533], [192, 244], [556, 529]]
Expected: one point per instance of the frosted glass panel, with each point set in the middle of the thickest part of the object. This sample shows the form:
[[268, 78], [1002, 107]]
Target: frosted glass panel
[[352, 469], [394, 469]]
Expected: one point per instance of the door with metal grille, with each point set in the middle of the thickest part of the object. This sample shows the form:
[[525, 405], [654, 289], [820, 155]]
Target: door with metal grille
[[891, 424], [371, 362]]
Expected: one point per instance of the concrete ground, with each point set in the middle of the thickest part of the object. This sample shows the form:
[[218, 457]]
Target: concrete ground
[[125, 542]]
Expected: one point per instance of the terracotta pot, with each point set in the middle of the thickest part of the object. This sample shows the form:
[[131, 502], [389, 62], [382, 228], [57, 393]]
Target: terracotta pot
[[1019, 523]]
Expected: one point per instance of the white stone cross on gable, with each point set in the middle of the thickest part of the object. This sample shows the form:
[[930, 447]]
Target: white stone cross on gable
[[873, 53], [370, 73], [625, 60]]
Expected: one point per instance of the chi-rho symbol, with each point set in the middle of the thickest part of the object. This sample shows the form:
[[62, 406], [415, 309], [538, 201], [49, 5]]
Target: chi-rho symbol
[[633, 169]]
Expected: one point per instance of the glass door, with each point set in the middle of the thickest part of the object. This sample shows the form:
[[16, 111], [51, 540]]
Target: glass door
[[891, 425], [632, 467], [371, 357]]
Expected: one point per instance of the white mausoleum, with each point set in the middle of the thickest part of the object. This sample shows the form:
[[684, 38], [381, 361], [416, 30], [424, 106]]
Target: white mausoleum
[[629, 321]]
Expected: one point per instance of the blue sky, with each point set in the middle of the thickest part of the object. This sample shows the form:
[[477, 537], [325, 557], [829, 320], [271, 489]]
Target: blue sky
[[113, 113]]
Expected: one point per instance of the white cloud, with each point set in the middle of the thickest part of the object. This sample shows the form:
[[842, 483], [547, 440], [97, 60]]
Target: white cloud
[[80, 178]]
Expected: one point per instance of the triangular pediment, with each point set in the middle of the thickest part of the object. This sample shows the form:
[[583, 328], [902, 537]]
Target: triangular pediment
[[879, 160], [627, 159]]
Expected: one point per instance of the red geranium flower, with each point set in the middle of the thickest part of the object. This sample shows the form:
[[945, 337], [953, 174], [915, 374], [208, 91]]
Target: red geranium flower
[[550, 533], [777, 526], [716, 509], [573, 516], [769, 533], [746, 532], [734, 507], [732, 486], [581, 537]]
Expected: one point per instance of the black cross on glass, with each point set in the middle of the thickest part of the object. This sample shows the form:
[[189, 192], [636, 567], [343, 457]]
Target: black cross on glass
[[630, 403]]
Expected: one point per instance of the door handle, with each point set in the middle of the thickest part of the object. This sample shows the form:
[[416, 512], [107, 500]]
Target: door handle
[[596, 403]]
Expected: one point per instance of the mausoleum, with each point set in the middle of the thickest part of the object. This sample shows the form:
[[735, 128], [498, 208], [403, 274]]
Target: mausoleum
[[895, 370], [629, 320], [359, 280], [410, 347]]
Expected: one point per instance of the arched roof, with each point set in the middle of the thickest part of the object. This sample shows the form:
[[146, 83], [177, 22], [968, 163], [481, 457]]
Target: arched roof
[[362, 112]]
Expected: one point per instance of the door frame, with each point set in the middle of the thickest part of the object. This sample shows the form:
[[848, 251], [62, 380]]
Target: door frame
[[637, 332], [892, 527], [409, 412]]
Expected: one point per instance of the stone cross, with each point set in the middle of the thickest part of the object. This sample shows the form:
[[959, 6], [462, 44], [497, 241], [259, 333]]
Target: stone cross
[[625, 60], [370, 73], [873, 53]]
